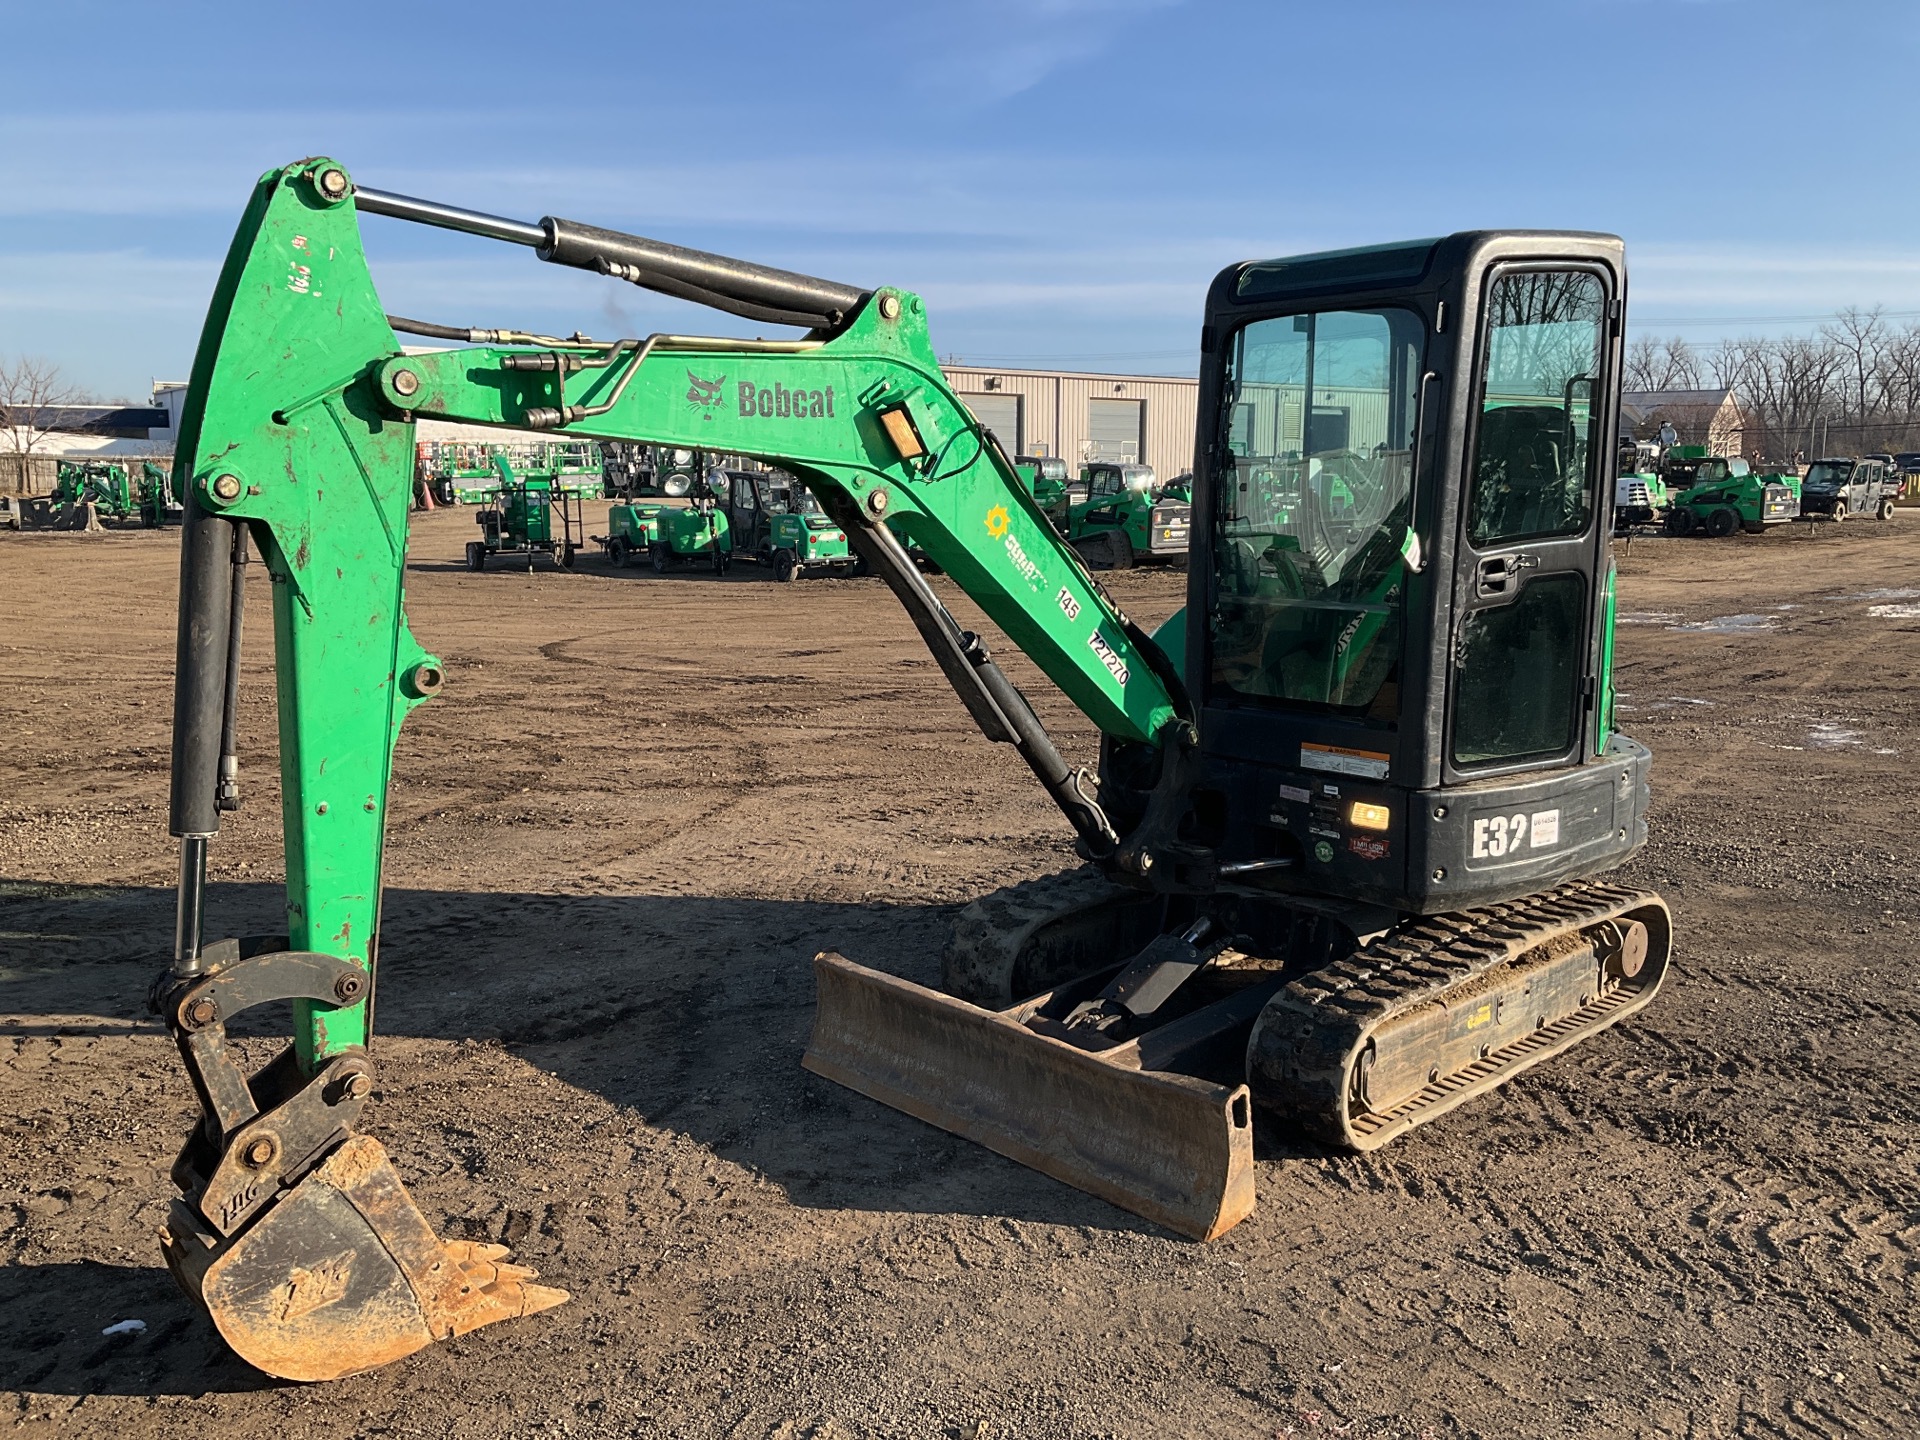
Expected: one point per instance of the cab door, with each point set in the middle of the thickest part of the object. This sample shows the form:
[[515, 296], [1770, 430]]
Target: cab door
[[1531, 547], [1864, 492]]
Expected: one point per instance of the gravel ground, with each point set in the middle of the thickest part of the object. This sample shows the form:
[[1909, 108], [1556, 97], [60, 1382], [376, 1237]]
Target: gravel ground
[[642, 806]]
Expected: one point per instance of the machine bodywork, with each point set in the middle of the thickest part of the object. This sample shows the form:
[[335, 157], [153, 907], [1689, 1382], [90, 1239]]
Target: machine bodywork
[[1714, 495], [1117, 514], [1351, 801]]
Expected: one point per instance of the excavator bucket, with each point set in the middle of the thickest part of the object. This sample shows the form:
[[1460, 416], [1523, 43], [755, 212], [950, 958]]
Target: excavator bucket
[[1170, 1147], [292, 1231], [344, 1274]]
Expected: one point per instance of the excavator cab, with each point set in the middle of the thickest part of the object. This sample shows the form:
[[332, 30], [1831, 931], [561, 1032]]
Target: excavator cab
[[1363, 887], [1398, 625]]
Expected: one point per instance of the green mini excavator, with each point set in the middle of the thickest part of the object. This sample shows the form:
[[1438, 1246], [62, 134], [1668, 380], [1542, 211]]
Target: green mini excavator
[[1341, 857]]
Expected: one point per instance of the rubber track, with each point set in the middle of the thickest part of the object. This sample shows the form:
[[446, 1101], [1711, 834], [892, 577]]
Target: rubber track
[[989, 936], [1303, 1048]]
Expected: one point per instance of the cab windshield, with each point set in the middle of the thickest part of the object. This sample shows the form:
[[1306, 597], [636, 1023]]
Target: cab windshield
[[1319, 414], [1713, 472], [1829, 472]]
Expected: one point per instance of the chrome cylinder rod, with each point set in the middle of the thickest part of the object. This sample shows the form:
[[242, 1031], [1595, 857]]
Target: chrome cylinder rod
[[190, 906], [449, 217]]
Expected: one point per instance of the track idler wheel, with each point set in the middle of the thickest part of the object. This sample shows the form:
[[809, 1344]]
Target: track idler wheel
[[294, 1233]]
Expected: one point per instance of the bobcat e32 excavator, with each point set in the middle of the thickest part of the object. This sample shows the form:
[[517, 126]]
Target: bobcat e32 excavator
[[1340, 857]]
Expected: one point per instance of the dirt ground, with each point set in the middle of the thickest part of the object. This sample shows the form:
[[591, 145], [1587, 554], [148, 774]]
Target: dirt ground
[[641, 806]]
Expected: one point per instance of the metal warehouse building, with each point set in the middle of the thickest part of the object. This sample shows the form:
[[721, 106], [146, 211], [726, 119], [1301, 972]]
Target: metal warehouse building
[[1080, 416], [1076, 415]]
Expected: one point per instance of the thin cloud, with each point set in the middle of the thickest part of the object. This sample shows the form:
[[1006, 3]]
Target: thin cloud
[[994, 50], [1762, 280]]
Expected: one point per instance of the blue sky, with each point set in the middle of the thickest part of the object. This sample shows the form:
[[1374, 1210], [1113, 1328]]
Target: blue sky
[[1059, 178]]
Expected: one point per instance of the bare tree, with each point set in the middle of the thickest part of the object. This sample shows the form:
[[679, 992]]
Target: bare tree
[[1860, 337], [1643, 358], [1670, 364], [1899, 384], [31, 390], [1852, 388]]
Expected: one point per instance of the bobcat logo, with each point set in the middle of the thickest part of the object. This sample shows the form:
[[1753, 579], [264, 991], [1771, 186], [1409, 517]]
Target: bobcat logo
[[704, 393]]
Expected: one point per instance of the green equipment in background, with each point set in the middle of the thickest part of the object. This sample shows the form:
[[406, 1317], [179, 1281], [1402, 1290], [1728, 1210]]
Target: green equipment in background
[[632, 528], [1640, 494], [646, 482], [698, 533], [1046, 476], [102, 484], [1715, 495], [530, 515], [724, 515], [1118, 514], [159, 502], [802, 539], [462, 472]]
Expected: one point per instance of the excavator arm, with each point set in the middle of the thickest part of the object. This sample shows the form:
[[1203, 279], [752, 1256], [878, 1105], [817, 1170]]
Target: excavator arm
[[297, 448]]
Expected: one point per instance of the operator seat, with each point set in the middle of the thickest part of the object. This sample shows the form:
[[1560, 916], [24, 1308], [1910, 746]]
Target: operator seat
[[1519, 479]]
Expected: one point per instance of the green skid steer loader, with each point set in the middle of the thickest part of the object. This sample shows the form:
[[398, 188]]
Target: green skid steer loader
[[1716, 495]]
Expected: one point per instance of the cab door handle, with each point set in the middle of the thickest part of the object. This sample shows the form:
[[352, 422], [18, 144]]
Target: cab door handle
[[1497, 575]]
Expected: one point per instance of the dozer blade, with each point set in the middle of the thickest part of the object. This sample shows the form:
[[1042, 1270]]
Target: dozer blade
[[1172, 1148], [343, 1274]]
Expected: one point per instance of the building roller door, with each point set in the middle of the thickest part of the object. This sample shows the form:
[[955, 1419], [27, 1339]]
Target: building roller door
[[1001, 415], [1115, 429]]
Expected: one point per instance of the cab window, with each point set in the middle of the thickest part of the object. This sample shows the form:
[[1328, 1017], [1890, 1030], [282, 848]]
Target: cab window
[[1539, 412], [1311, 514]]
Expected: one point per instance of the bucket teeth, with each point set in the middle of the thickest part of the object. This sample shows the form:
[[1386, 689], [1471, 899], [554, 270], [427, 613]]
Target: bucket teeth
[[499, 1291]]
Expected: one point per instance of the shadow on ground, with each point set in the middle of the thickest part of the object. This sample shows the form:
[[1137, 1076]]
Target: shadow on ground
[[53, 1342], [690, 1011]]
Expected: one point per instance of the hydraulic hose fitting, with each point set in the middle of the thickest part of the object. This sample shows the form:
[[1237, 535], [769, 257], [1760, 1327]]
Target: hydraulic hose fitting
[[423, 681]]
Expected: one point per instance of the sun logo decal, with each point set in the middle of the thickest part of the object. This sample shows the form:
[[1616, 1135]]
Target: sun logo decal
[[997, 521]]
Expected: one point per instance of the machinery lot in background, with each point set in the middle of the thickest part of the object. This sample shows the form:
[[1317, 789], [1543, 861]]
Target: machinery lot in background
[[601, 986]]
